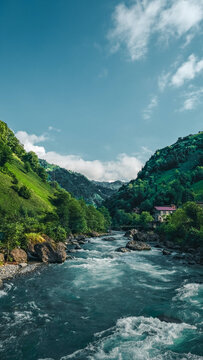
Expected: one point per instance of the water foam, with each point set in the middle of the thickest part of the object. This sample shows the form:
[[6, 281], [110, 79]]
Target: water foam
[[139, 338], [187, 292]]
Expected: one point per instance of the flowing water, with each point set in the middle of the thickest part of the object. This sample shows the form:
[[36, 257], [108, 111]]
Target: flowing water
[[104, 305]]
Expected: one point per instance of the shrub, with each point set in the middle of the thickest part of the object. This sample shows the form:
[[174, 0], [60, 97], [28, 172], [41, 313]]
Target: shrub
[[24, 192]]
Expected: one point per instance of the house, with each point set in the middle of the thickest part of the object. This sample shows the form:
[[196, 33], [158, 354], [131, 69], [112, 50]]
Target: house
[[162, 211]]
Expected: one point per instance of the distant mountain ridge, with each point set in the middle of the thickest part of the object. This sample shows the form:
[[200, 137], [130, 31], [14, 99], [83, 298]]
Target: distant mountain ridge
[[93, 192]]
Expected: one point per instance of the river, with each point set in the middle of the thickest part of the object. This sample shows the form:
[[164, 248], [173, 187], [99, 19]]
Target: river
[[104, 305]]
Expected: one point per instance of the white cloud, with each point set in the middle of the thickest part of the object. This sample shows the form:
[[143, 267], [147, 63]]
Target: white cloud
[[192, 99], [29, 142], [187, 71], [163, 80], [134, 26], [147, 113], [52, 128], [124, 167], [182, 16]]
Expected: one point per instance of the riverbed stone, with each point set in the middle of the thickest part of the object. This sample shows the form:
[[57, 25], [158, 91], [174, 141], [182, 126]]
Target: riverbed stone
[[110, 238], [166, 252], [50, 252], [138, 245], [130, 233], [122, 249], [18, 255]]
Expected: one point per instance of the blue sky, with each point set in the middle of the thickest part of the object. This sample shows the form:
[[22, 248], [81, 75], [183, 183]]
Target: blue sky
[[98, 86]]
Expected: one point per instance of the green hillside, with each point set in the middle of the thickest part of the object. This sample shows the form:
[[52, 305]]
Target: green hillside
[[29, 203], [79, 186], [173, 175]]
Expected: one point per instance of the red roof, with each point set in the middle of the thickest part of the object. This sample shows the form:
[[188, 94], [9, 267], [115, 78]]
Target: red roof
[[165, 208]]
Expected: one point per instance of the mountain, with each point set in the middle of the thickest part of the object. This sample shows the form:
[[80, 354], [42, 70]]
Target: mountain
[[30, 204], [173, 175], [17, 174], [93, 192]]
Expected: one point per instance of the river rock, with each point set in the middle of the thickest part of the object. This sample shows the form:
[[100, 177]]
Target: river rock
[[80, 237], [130, 233], [77, 247], [93, 234], [2, 258], [110, 238], [169, 319], [1, 283], [22, 265], [137, 245], [19, 255], [145, 236], [50, 252], [123, 249], [166, 252]]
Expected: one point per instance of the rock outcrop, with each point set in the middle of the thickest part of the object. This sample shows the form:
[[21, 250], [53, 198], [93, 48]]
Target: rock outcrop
[[18, 255], [130, 233], [110, 238], [122, 249], [49, 252], [145, 236], [137, 245]]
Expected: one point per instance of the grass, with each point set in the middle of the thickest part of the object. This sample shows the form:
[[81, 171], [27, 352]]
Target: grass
[[41, 192]]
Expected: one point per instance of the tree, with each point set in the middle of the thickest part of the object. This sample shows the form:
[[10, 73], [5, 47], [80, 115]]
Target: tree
[[5, 154]]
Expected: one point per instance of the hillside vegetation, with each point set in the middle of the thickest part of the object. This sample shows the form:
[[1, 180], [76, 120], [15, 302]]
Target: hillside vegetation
[[79, 186], [173, 175], [29, 203]]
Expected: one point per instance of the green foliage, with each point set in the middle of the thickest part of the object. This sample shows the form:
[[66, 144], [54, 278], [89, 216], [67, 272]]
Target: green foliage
[[79, 186], [31, 207], [185, 226], [24, 192], [173, 175], [5, 154]]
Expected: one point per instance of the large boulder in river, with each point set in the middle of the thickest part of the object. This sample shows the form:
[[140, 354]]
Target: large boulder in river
[[137, 245], [145, 236], [18, 255], [50, 252], [130, 233], [110, 238]]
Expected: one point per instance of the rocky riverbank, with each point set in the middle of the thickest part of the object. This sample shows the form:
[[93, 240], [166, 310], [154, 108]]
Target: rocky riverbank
[[41, 253], [139, 241], [8, 271]]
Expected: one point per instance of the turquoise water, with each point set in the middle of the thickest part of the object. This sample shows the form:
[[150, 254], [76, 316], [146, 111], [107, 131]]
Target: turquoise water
[[104, 305]]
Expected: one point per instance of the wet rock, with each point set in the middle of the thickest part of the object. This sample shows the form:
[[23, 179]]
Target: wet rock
[[137, 245], [169, 319], [78, 247], [145, 236], [166, 252], [22, 265], [2, 258], [110, 238], [50, 252], [130, 233], [81, 242], [93, 234], [122, 249], [1, 283], [18, 255], [80, 237]]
